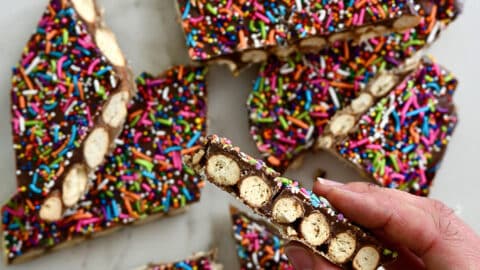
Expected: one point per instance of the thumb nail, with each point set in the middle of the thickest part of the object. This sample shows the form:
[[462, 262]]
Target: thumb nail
[[299, 258], [327, 182]]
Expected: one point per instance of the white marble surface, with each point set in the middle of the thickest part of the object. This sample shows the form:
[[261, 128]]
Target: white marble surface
[[152, 41]]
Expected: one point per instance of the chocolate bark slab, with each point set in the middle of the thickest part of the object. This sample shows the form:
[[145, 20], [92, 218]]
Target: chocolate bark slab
[[296, 212], [399, 142], [69, 99], [143, 179], [199, 261], [293, 101], [240, 32], [259, 245]]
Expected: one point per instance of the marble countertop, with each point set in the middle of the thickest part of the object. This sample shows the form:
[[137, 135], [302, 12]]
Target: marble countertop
[[148, 33]]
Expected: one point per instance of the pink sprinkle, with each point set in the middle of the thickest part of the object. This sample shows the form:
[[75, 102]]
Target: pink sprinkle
[[177, 160], [146, 187], [89, 117], [174, 189], [287, 140], [396, 175], [358, 143], [229, 4], [354, 19], [374, 146], [59, 66], [129, 177], [27, 59], [262, 17], [423, 178], [319, 114], [362, 16], [137, 136], [159, 157], [196, 20], [92, 66]]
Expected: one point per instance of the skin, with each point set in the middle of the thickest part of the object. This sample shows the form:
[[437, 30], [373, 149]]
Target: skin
[[426, 233]]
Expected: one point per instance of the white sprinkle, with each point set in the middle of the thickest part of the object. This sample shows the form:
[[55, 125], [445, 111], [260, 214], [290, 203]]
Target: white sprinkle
[[433, 33], [299, 5], [22, 124], [322, 15], [165, 93], [286, 69], [119, 142], [29, 92], [113, 81], [49, 184], [343, 72], [102, 184], [334, 97], [75, 68], [67, 111], [32, 66], [96, 85]]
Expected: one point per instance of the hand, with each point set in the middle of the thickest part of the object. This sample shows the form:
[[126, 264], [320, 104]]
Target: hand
[[425, 232]]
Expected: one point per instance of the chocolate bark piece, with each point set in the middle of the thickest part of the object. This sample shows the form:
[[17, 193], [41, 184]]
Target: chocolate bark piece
[[259, 245], [315, 223], [242, 32], [399, 142], [199, 261], [292, 101], [69, 99], [143, 179]]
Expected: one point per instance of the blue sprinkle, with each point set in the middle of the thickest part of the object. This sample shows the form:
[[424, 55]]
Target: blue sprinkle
[[418, 111], [115, 209], [425, 128], [186, 11], [408, 148], [183, 265], [103, 71], [187, 193], [397, 121], [194, 139], [172, 148], [35, 189]]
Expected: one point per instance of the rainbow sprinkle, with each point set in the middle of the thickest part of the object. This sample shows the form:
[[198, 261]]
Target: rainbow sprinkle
[[223, 27], [258, 246], [143, 176], [292, 101], [202, 261], [58, 88], [400, 141]]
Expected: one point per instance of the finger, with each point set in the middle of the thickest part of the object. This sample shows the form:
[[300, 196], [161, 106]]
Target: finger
[[403, 223], [324, 185], [303, 259]]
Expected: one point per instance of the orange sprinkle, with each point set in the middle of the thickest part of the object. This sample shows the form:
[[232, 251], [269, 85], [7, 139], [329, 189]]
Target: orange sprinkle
[[273, 161], [139, 154], [26, 78], [190, 150], [297, 122], [342, 85], [56, 152]]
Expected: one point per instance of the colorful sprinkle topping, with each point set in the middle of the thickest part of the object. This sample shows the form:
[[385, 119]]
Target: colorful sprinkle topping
[[199, 262], [258, 246], [222, 27], [58, 88], [401, 140], [292, 101], [143, 176]]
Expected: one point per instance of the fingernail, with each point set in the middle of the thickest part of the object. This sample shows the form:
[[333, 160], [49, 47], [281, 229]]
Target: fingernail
[[327, 182], [299, 258]]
